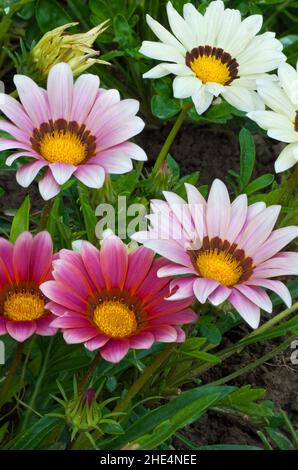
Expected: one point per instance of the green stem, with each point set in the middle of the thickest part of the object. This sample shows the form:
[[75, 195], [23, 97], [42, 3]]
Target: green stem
[[276, 319], [249, 367], [170, 139], [291, 429], [45, 215], [143, 379], [89, 372], [37, 385], [11, 375]]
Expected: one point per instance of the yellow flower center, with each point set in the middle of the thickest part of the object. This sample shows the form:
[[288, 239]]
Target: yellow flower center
[[212, 64], [23, 306], [115, 319], [63, 147], [220, 266]]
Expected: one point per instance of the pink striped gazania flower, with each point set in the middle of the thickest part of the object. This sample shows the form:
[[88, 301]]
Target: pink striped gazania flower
[[23, 267], [113, 301], [224, 251], [72, 129]]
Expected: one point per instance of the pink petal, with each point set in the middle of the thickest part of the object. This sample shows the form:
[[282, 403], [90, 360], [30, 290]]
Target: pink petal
[[60, 91], [32, 99], [113, 161], [258, 230], [71, 277], [92, 176], [276, 286], [126, 130], [14, 131], [21, 256], [15, 112], [6, 261], [44, 327], [177, 318], [277, 240], [115, 350], [183, 288], [79, 335], [139, 264], [41, 257], [180, 211], [257, 296], [14, 156], [26, 174], [105, 99], [114, 261], [48, 187], [7, 144], [249, 311], [173, 269], [218, 210], [143, 340], [220, 295], [171, 250], [134, 151], [283, 264], [54, 308], [97, 342], [62, 172], [203, 288], [152, 285], [238, 217], [20, 331], [84, 95]]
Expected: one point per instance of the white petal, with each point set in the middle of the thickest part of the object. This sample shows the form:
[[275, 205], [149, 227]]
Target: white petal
[[242, 99], [275, 98], [160, 51], [184, 87], [202, 99], [287, 158], [163, 34], [289, 81], [180, 28]]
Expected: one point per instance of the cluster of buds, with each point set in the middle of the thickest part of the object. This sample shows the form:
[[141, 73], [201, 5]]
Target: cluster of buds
[[75, 49], [84, 413]]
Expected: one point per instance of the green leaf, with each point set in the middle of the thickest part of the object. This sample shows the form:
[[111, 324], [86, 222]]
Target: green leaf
[[279, 439], [211, 332], [20, 221], [33, 436], [203, 356], [173, 167], [260, 183], [247, 156], [191, 344], [50, 15], [164, 108]]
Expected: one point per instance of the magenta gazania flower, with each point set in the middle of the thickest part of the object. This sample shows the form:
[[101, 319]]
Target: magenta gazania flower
[[72, 129], [23, 267], [224, 251], [113, 301]]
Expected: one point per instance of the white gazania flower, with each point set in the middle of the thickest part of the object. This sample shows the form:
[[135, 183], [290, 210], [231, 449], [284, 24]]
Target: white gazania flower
[[281, 122], [213, 54]]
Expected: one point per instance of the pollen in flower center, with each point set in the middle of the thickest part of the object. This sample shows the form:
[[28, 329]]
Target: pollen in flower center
[[23, 306], [212, 64], [115, 319], [64, 142], [63, 147], [219, 266]]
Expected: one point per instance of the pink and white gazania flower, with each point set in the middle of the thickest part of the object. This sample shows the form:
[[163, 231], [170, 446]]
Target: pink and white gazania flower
[[23, 267], [213, 54], [71, 129], [112, 300], [281, 119], [224, 251]]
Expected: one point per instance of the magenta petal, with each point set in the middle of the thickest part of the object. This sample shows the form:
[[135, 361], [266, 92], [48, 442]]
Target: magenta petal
[[97, 342], [3, 330], [115, 350], [163, 333], [181, 336], [6, 263], [63, 296], [21, 330], [114, 261], [41, 257], [91, 259], [68, 320], [143, 340], [21, 256], [176, 318], [79, 335], [139, 263], [43, 326]]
